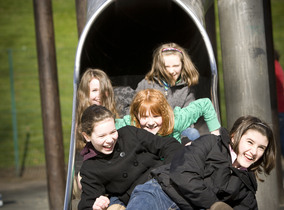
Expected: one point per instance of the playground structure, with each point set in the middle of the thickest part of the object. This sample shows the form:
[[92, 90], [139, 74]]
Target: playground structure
[[119, 38]]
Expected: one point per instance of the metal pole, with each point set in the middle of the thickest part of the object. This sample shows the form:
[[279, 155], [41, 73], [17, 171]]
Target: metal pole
[[51, 116], [246, 80], [14, 113]]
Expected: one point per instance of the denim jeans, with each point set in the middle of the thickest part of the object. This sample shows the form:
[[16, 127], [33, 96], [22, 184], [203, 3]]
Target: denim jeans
[[281, 129], [191, 133], [115, 200], [150, 196]]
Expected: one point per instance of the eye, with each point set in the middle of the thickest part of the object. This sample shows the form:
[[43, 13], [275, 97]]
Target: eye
[[262, 147], [250, 142]]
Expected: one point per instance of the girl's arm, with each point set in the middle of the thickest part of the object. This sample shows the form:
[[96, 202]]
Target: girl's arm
[[187, 172], [119, 123], [92, 187], [184, 117]]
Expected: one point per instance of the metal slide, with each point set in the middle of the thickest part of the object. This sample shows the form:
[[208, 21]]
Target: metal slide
[[119, 37]]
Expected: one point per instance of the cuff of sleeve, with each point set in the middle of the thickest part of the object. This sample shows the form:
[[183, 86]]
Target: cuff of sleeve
[[213, 124]]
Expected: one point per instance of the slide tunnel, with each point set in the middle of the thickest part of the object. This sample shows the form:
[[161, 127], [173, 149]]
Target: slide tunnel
[[120, 35]]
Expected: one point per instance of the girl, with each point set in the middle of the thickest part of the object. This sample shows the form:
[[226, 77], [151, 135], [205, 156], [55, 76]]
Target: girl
[[115, 161], [94, 88], [214, 171], [151, 111], [174, 74]]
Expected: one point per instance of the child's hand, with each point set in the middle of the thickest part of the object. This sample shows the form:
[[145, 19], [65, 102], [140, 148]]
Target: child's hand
[[101, 203], [216, 132]]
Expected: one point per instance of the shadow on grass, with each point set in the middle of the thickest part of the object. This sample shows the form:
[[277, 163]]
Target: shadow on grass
[[26, 148]]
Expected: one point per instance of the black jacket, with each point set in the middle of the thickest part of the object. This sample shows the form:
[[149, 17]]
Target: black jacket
[[136, 153], [202, 174]]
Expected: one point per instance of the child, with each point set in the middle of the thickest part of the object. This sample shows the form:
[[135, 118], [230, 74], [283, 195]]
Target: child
[[218, 171], [94, 88], [115, 161], [151, 111], [174, 74]]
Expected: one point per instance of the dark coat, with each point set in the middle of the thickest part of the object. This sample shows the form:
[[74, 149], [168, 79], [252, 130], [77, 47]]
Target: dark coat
[[136, 153], [202, 174]]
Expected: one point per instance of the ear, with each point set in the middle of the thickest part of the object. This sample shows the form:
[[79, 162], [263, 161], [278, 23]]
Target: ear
[[87, 138], [232, 140]]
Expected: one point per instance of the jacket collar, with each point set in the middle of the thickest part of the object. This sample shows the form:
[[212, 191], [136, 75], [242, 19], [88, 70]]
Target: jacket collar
[[88, 151]]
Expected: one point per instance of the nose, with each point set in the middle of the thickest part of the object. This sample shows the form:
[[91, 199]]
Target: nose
[[150, 122], [171, 70], [254, 150], [109, 139]]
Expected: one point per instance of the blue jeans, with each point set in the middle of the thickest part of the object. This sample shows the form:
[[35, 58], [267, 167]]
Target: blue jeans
[[191, 133], [281, 129], [150, 196], [115, 200]]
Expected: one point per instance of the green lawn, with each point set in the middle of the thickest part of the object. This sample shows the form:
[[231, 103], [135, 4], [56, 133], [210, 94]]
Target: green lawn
[[18, 34]]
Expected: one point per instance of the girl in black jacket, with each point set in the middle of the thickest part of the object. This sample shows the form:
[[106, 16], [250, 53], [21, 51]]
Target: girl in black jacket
[[212, 169], [115, 161]]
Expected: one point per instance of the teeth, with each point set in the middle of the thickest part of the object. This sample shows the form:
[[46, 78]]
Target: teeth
[[249, 157]]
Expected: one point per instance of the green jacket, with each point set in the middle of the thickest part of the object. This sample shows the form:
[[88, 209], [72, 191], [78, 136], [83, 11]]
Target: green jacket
[[184, 117]]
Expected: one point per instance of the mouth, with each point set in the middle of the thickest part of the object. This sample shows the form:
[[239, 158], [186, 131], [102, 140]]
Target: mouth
[[151, 126], [108, 147], [249, 157]]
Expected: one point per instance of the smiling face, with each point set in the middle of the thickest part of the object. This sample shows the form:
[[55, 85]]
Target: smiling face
[[173, 65], [104, 136], [94, 96], [150, 122], [251, 147]]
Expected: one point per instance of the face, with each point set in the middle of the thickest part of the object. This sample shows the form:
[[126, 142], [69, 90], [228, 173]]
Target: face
[[94, 96], [173, 65], [251, 147], [151, 123], [104, 136]]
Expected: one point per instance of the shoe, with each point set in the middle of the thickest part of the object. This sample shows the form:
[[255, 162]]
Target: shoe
[[116, 207], [220, 206]]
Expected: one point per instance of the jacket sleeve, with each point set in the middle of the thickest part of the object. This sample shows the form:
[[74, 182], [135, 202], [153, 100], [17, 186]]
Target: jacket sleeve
[[184, 117], [119, 123], [187, 172], [163, 147], [92, 187]]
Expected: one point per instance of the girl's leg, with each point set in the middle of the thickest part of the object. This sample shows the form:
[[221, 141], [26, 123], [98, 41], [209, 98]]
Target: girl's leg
[[115, 200], [150, 196]]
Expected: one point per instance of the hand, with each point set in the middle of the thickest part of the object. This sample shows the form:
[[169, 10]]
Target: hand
[[101, 203], [216, 132]]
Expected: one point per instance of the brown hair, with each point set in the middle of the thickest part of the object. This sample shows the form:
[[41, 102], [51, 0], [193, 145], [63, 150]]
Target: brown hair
[[267, 162], [93, 115], [154, 101], [189, 73], [83, 93]]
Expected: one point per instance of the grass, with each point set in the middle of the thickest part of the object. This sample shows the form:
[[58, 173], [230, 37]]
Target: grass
[[18, 34]]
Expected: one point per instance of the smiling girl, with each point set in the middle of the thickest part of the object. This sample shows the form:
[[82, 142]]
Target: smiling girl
[[115, 161], [151, 111], [214, 172]]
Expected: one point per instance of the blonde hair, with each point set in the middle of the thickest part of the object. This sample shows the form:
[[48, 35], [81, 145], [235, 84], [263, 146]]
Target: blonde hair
[[154, 101], [189, 73], [83, 93]]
